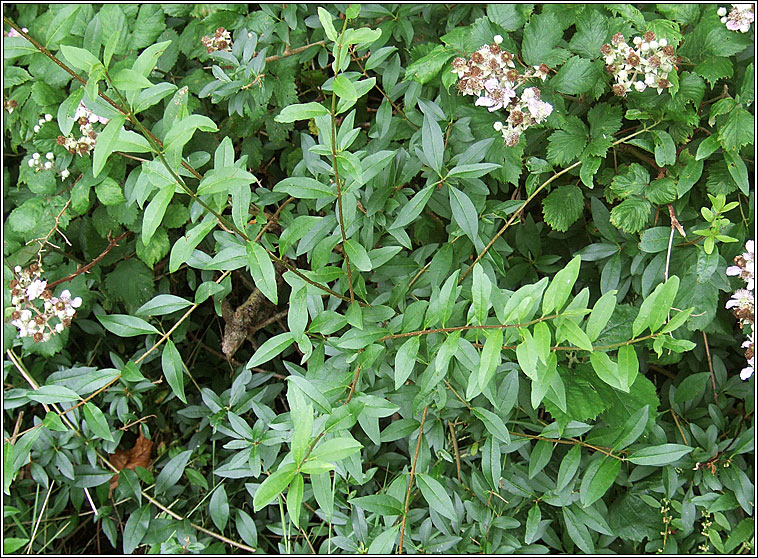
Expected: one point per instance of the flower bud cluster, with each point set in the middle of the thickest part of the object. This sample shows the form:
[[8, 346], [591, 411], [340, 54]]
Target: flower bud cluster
[[86, 143], [221, 40], [38, 164], [46, 118], [647, 64], [490, 74], [742, 302], [14, 33], [36, 312], [739, 18]]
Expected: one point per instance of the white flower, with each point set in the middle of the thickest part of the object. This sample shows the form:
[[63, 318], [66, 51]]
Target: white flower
[[31, 162], [734, 270], [746, 373], [48, 117], [35, 289], [498, 39], [721, 11], [49, 156], [662, 43], [498, 126], [742, 299], [59, 327], [64, 174], [640, 86], [36, 156]]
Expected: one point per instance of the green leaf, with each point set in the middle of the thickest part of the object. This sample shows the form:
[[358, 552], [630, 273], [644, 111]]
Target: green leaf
[[97, 422], [345, 91], [383, 504], [665, 150], [270, 348], [661, 191], [384, 542], [474, 170], [304, 111], [273, 486], [493, 423], [172, 472], [432, 143], [656, 307], [326, 22], [541, 35], [405, 360], [633, 428], [591, 33], [738, 130], [600, 315], [563, 206], [738, 170], [655, 239], [358, 255], [576, 336], [181, 132], [219, 507], [155, 211], [409, 211], [67, 109], [12, 544], [427, 67], [576, 76], [246, 528], [335, 450], [106, 140], [510, 17], [464, 213], [127, 79], [598, 478], [436, 496], [224, 179], [559, 289], [607, 370], [657, 456], [631, 215], [578, 532], [628, 365], [262, 271], [163, 304], [567, 144], [540, 456], [295, 499], [136, 527], [305, 188], [490, 359], [173, 369], [689, 176], [53, 421], [124, 325], [79, 58], [568, 468]]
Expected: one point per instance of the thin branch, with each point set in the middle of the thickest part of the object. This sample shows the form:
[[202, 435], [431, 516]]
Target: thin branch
[[710, 367], [410, 480], [93, 263], [455, 450]]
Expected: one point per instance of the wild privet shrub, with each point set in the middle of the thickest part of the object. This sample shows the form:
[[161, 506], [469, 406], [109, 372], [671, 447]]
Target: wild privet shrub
[[275, 282]]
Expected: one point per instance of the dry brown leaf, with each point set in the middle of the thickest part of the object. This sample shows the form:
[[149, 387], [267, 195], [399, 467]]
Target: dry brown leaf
[[138, 456]]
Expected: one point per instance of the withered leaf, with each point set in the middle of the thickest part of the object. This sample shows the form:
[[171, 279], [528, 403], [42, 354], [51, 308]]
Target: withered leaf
[[138, 456]]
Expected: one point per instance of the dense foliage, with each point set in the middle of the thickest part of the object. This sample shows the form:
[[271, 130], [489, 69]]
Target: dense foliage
[[381, 278]]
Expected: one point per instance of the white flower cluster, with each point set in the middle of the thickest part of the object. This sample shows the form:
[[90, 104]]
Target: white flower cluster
[[31, 320], [739, 18], [742, 302], [221, 40], [491, 75], [37, 164], [46, 118], [87, 141], [648, 64]]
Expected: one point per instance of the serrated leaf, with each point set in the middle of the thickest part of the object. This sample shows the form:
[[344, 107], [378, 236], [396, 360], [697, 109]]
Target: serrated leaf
[[567, 144], [563, 206], [631, 215]]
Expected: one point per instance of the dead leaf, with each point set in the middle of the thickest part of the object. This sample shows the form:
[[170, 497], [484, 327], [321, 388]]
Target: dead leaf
[[138, 456]]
